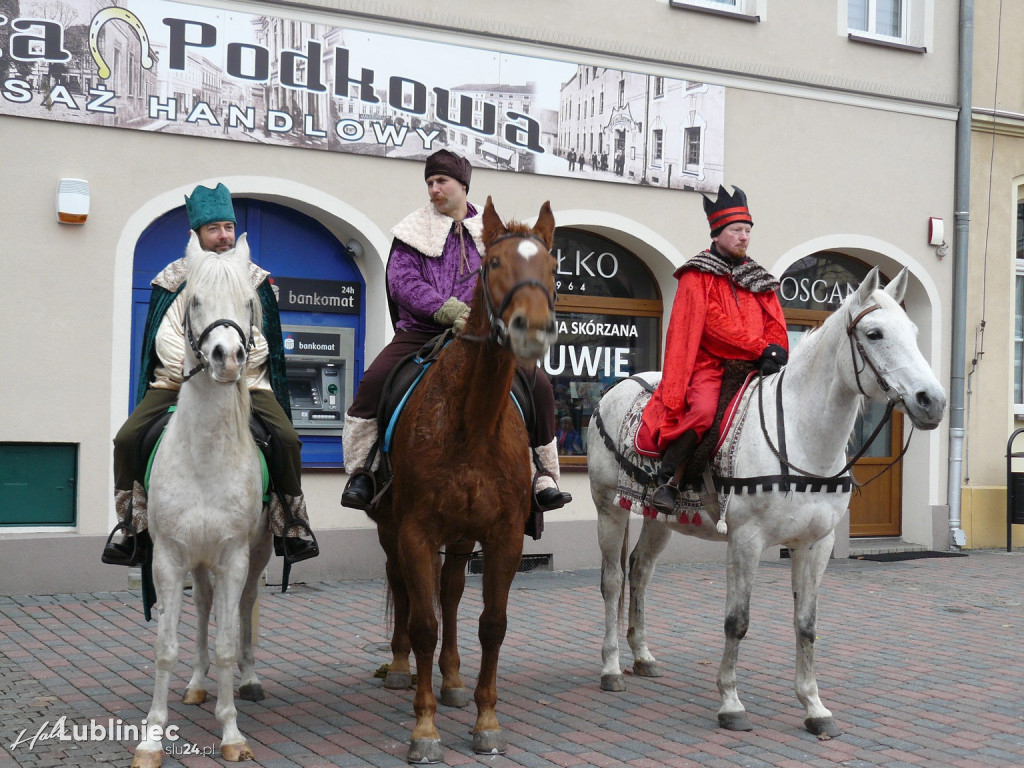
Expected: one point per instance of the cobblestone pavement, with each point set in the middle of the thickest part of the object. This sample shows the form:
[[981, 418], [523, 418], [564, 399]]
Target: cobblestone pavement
[[919, 661]]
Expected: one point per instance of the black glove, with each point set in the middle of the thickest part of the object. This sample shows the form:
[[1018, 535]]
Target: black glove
[[772, 359]]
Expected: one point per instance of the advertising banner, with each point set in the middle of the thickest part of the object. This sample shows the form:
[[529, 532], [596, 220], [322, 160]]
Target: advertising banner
[[186, 69]]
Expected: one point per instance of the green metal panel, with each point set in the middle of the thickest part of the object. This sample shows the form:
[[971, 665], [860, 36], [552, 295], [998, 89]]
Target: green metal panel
[[37, 483]]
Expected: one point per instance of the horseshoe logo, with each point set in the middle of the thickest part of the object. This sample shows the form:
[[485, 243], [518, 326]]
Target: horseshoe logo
[[110, 14]]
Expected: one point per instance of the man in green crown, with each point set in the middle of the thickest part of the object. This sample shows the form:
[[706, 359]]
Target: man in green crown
[[211, 215]]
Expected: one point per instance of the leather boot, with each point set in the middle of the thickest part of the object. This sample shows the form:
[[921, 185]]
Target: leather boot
[[547, 495], [673, 464], [357, 441]]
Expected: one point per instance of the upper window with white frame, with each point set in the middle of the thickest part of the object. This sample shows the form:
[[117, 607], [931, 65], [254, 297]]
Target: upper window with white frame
[[899, 23], [749, 10]]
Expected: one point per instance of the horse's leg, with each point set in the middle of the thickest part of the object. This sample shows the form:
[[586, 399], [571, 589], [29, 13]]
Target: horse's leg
[[249, 688], [501, 561], [612, 534], [453, 582], [741, 568], [169, 580], [399, 674], [653, 539], [417, 559], [230, 576], [202, 596], [809, 565]]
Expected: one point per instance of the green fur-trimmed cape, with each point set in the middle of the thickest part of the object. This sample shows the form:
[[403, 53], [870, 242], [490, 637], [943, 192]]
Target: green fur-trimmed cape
[[161, 300]]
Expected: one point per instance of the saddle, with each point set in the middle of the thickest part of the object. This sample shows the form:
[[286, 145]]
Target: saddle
[[734, 374], [148, 439], [402, 382]]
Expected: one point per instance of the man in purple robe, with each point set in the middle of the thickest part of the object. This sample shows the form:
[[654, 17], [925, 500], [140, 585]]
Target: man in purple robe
[[431, 279]]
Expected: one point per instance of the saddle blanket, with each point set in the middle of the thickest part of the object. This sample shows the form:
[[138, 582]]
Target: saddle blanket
[[634, 495]]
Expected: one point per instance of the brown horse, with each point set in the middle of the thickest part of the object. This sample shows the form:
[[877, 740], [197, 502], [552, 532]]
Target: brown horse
[[462, 474]]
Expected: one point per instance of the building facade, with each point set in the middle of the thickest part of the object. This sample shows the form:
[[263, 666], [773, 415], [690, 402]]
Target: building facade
[[839, 125], [994, 400]]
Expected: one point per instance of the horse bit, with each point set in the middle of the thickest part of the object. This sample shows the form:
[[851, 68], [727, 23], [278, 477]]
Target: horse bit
[[499, 331], [197, 346]]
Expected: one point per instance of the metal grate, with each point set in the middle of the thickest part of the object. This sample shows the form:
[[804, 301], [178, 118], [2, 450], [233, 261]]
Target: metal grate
[[528, 564]]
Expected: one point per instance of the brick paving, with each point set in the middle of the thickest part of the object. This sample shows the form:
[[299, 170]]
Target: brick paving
[[920, 662]]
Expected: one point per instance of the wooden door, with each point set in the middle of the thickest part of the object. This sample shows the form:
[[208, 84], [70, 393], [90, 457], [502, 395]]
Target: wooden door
[[876, 506]]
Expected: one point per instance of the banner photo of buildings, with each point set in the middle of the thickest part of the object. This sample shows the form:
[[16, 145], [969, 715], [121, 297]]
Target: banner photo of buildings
[[172, 67]]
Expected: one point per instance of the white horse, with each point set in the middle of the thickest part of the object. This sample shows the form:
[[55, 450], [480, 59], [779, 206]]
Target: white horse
[[206, 509], [867, 349]]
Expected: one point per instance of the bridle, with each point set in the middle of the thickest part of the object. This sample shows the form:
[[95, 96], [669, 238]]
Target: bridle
[[499, 331], [197, 346], [892, 394]]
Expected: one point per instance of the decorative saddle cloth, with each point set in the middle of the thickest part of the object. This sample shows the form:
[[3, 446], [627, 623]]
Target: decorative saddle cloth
[[638, 470]]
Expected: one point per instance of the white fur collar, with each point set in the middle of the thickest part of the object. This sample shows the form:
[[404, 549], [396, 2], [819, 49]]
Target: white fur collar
[[426, 230], [174, 274]]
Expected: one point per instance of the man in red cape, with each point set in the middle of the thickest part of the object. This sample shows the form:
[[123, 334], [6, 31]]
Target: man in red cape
[[726, 308]]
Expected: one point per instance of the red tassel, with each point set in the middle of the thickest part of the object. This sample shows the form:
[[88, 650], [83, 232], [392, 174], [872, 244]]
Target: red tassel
[[696, 518], [651, 512], [625, 503], [682, 518]]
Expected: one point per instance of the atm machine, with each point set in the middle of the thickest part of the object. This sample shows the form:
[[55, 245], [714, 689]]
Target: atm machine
[[319, 362]]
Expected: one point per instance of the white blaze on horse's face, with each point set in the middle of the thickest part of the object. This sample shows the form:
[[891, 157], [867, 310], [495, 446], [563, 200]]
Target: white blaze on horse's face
[[221, 323], [519, 278], [889, 364]]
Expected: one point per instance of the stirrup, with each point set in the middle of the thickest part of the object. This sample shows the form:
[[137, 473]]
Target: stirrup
[[286, 546], [665, 498], [119, 554]]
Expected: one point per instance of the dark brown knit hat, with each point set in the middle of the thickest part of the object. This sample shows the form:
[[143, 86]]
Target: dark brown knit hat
[[449, 164]]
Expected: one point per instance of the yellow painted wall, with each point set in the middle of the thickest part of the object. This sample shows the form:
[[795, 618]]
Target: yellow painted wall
[[983, 518]]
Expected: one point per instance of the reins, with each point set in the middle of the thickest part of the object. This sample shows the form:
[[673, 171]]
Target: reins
[[855, 346]]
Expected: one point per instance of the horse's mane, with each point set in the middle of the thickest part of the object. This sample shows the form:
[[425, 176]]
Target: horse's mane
[[221, 274]]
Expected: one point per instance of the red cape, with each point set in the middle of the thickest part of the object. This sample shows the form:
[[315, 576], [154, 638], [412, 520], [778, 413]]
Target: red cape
[[712, 320]]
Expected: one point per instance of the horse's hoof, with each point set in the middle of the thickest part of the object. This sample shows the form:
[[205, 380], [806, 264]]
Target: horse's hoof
[[735, 721], [614, 683], [147, 759], [489, 743], [398, 681], [236, 753], [646, 669], [822, 727], [425, 752], [455, 697], [194, 696], [251, 692]]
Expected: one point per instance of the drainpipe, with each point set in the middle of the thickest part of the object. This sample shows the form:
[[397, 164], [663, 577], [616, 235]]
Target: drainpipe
[[961, 203]]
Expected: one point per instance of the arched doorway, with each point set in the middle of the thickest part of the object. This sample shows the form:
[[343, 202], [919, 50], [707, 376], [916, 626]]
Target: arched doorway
[[290, 245], [812, 289]]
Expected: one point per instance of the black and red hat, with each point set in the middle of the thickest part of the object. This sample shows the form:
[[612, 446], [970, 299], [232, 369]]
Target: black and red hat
[[727, 209]]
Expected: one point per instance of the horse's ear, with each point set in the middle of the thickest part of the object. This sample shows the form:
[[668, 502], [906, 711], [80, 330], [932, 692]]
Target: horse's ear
[[898, 287], [492, 222], [242, 246], [193, 248], [545, 226], [867, 287]]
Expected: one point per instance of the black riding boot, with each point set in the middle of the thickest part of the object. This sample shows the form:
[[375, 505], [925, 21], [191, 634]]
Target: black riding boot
[[673, 464]]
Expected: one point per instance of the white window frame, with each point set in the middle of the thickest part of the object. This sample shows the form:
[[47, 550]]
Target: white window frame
[[748, 10], [917, 34]]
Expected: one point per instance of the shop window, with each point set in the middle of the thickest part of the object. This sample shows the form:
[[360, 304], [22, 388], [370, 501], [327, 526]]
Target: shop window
[[609, 327]]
